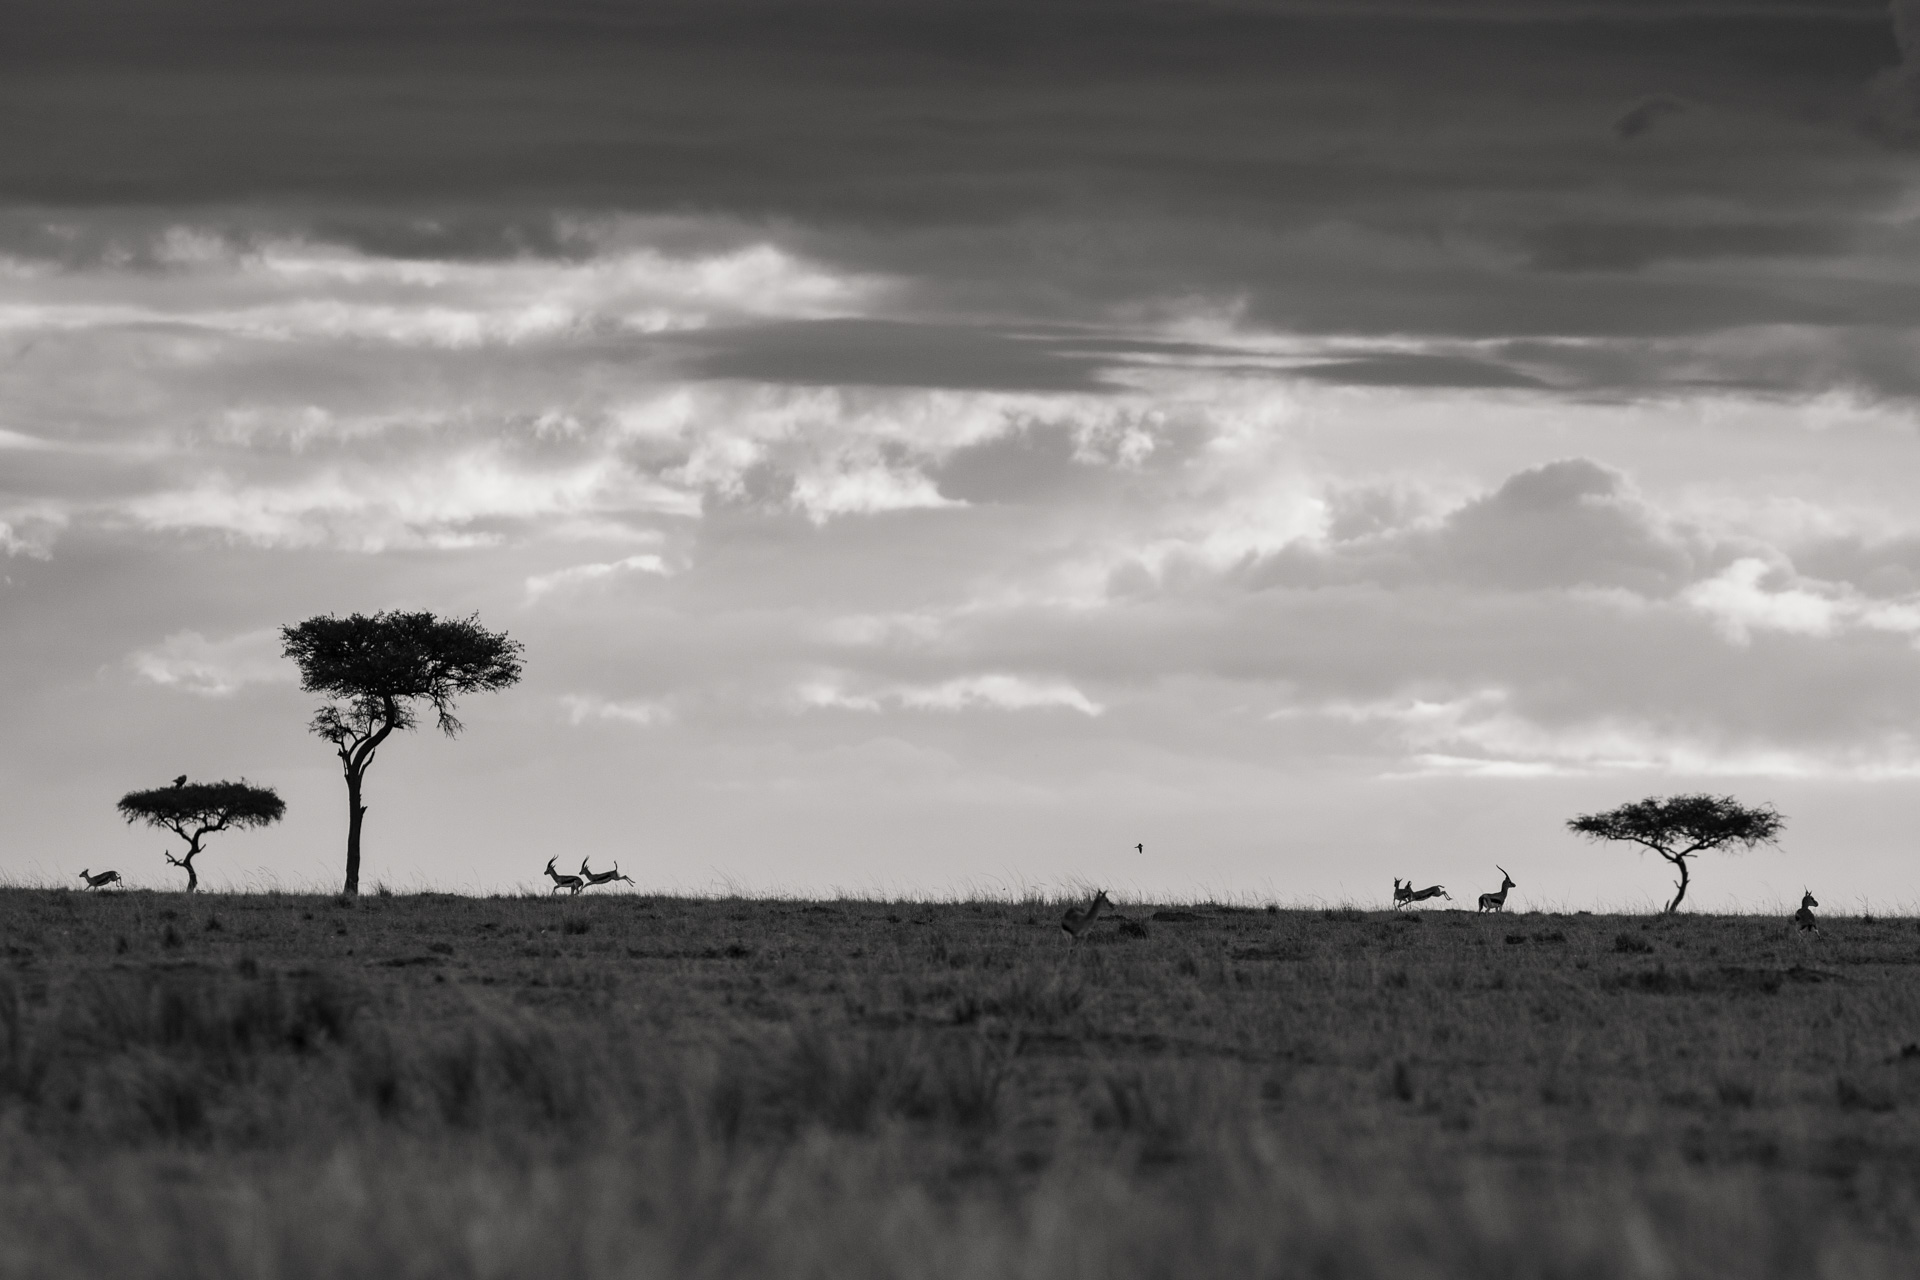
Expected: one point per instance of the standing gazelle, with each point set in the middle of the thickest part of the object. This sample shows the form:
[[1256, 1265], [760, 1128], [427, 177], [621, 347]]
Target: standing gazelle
[[1804, 916], [572, 884], [593, 878], [1403, 894], [1497, 901], [1076, 920], [104, 878]]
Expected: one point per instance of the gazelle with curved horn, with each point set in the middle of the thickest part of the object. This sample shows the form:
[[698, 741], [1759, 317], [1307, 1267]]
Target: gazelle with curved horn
[[1403, 894], [100, 881], [572, 884], [602, 877], [1497, 901]]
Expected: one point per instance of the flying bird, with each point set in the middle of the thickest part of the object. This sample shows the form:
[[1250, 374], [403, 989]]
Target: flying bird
[[1140, 848]]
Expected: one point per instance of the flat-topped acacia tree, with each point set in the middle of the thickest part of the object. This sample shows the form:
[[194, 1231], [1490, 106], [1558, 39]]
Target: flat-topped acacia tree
[[1678, 827], [376, 669], [195, 810]]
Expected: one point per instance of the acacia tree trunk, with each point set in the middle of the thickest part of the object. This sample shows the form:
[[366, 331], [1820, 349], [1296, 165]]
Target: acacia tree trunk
[[355, 813], [1680, 862]]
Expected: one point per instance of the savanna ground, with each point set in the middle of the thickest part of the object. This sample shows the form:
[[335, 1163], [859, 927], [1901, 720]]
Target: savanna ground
[[278, 1085]]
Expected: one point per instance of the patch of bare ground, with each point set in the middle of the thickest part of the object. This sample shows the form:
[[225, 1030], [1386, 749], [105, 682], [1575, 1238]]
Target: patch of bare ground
[[447, 1086]]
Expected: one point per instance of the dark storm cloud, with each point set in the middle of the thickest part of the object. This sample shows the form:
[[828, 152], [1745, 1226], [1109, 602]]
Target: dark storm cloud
[[1365, 168], [1394, 369], [1627, 246], [888, 353], [1643, 116]]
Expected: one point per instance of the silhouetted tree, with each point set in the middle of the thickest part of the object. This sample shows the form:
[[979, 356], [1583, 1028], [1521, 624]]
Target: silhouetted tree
[[195, 810], [1678, 827], [376, 668]]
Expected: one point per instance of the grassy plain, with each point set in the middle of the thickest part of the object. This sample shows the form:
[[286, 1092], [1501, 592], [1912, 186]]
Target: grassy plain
[[277, 1085]]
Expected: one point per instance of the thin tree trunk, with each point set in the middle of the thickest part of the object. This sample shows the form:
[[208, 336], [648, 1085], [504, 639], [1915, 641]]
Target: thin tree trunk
[[355, 812], [1680, 862], [193, 877]]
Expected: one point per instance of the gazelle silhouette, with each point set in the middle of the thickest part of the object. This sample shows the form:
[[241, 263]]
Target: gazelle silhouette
[[1497, 901], [1403, 895], [593, 878], [1804, 916], [101, 880], [572, 884]]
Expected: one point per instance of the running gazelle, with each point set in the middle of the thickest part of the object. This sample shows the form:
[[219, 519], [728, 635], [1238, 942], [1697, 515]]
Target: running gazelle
[[1403, 894]]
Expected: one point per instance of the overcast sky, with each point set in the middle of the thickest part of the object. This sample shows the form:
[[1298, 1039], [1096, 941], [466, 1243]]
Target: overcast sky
[[932, 447]]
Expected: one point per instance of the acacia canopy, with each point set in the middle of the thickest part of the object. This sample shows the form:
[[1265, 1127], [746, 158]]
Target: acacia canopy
[[376, 669], [195, 810], [1679, 827]]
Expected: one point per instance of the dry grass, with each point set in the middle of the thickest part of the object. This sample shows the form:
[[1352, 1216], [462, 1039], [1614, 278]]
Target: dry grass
[[440, 1086]]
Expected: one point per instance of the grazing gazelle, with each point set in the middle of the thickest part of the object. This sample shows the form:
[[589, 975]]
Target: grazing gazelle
[[602, 877], [1076, 920], [1804, 916], [1402, 895], [572, 884], [1497, 901], [104, 878]]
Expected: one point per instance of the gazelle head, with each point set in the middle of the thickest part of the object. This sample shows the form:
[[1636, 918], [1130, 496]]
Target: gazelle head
[[1807, 899], [1506, 881], [550, 862], [85, 873]]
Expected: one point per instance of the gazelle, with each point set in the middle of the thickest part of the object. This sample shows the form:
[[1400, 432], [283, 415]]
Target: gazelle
[[104, 878], [1076, 921], [572, 884], [1804, 916], [1497, 901], [602, 877], [1402, 895]]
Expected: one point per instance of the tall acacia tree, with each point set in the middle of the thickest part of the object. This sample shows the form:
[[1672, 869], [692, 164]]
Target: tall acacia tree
[[1679, 827], [376, 669], [195, 810]]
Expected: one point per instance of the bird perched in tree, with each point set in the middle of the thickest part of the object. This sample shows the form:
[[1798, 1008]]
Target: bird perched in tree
[[180, 781]]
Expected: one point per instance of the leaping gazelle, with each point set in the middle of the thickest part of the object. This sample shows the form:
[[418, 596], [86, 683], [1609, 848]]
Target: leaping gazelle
[[1804, 916], [592, 877], [1497, 901], [572, 884], [1076, 920], [1403, 894], [101, 880]]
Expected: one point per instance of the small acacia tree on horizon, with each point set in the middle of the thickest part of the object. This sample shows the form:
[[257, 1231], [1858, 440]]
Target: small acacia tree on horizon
[[375, 669], [1680, 827], [195, 810]]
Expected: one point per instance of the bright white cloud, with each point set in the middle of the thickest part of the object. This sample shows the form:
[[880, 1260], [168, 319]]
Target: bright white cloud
[[426, 503], [864, 490], [192, 663], [541, 583], [1740, 603], [990, 691], [581, 708]]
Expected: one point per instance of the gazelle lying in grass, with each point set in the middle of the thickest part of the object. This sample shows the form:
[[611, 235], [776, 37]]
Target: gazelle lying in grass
[[572, 884], [101, 880], [602, 877], [1497, 901], [1076, 920], [1804, 916], [1402, 895]]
